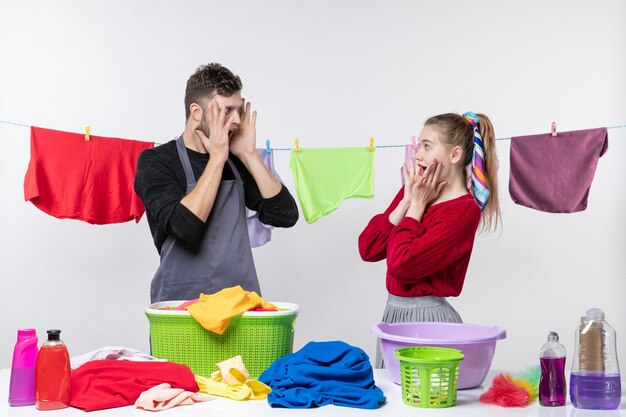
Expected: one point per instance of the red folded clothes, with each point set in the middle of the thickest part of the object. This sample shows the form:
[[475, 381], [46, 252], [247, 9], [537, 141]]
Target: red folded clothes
[[98, 385]]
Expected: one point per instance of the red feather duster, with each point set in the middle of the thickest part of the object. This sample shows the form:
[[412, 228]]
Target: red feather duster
[[505, 393]]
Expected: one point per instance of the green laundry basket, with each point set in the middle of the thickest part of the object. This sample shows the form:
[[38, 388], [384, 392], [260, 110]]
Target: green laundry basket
[[259, 337], [429, 375]]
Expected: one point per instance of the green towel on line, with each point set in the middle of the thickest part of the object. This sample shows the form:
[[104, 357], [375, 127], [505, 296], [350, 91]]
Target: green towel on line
[[324, 177]]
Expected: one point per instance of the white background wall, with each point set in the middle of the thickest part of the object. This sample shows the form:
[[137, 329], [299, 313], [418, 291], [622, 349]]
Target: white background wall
[[332, 74]]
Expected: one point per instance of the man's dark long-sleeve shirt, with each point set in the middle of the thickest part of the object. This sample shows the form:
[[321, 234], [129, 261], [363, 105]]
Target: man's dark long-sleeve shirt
[[160, 183]]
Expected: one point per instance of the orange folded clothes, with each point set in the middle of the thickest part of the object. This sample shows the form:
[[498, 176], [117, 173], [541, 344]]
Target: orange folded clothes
[[215, 311]]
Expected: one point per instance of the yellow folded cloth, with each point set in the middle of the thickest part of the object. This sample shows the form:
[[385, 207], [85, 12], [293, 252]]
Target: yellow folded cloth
[[232, 380], [259, 389], [215, 311], [234, 392], [232, 371]]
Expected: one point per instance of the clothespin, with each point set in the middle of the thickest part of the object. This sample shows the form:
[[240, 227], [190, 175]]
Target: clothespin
[[87, 133], [371, 147], [414, 142], [553, 130], [297, 146], [267, 146]]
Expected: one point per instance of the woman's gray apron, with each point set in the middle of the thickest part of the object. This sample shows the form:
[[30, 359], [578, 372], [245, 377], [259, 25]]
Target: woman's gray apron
[[224, 257]]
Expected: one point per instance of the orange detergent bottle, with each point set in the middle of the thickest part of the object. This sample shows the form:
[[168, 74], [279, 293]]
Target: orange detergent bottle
[[52, 374]]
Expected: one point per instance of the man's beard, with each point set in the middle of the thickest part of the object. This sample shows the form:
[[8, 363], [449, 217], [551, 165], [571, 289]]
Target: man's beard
[[204, 127]]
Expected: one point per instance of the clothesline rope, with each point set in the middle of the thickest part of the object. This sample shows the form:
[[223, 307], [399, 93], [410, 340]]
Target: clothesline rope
[[289, 149]]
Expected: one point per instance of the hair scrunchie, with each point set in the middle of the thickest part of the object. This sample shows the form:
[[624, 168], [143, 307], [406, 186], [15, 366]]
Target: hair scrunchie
[[480, 187]]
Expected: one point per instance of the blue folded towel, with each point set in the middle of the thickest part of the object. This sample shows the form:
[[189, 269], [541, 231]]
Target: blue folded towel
[[323, 373]]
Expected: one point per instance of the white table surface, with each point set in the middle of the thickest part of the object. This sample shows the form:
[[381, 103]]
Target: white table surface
[[467, 406]]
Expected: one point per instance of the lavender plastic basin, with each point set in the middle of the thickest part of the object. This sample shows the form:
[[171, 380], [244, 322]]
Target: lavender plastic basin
[[478, 344]]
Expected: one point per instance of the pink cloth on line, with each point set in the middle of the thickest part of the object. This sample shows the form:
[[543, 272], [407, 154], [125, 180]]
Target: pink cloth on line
[[554, 174], [163, 396], [409, 154]]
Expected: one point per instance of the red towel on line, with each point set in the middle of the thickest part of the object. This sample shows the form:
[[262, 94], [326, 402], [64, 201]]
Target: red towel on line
[[98, 385], [554, 174], [70, 178]]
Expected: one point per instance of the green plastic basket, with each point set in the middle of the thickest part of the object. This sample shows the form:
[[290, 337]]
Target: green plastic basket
[[429, 375], [259, 337]]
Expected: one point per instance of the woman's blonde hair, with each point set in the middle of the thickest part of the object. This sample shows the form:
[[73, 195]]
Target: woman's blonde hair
[[457, 131]]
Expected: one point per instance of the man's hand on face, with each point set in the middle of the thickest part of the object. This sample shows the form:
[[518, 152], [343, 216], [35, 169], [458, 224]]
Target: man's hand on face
[[219, 127], [243, 142]]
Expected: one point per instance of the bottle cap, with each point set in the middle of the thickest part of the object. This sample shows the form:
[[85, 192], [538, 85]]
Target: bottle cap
[[553, 336], [54, 334], [24, 334], [595, 314]]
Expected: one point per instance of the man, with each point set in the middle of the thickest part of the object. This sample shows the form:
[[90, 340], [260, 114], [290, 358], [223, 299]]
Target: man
[[196, 190]]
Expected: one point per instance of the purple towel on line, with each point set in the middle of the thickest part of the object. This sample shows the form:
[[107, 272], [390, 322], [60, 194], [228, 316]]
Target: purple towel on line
[[260, 233], [409, 154], [554, 174]]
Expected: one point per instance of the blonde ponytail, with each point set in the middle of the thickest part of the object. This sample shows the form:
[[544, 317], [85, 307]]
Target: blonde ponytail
[[491, 217]]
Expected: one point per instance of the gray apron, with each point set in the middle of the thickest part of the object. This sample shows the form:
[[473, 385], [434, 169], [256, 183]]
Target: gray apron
[[224, 257]]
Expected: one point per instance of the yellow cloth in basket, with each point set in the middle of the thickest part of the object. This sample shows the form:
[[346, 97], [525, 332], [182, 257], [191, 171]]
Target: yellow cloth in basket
[[215, 311]]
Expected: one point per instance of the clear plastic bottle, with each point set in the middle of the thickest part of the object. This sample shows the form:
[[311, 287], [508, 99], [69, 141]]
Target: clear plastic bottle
[[595, 378], [552, 385], [52, 381]]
